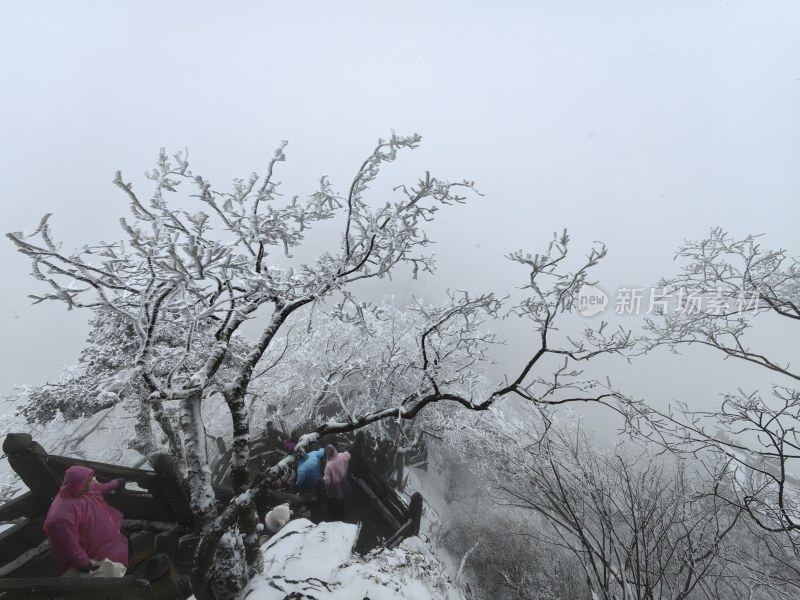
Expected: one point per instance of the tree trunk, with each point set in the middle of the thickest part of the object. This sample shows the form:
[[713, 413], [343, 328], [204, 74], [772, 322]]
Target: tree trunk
[[174, 442], [208, 577], [240, 481], [228, 575], [143, 443]]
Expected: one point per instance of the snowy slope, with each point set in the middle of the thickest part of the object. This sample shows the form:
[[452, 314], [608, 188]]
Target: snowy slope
[[317, 561]]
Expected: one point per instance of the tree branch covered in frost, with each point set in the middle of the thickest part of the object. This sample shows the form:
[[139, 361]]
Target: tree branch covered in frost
[[437, 370], [740, 281], [553, 290], [638, 524], [212, 269], [745, 288], [197, 263]]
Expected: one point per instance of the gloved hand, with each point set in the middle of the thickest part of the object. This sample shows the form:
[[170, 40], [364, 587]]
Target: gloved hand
[[87, 568]]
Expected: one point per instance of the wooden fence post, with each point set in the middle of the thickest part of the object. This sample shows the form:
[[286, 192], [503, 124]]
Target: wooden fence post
[[29, 460], [415, 513], [320, 503]]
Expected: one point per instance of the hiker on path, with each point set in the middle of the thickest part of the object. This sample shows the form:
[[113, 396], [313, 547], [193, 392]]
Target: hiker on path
[[309, 470], [337, 483]]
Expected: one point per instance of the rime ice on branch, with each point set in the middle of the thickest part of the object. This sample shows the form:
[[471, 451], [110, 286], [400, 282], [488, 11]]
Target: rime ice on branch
[[201, 273]]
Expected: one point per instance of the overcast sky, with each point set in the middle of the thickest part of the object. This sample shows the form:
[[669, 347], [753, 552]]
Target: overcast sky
[[635, 123]]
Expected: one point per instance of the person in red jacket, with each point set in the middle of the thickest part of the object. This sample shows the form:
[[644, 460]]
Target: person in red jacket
[[80, 524], [337, 483]]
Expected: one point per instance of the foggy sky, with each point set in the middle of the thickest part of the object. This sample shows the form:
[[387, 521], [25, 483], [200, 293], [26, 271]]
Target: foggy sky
[[637, 124]]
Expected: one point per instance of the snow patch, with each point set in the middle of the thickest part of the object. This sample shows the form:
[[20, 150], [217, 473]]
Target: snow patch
[[302, 550], [318, 561]]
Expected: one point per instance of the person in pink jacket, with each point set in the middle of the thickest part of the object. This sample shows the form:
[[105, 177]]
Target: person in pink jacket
[[337, 484], [80, 524]]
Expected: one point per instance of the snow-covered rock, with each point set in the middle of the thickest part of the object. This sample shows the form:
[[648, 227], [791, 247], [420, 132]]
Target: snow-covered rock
[[318, 561]]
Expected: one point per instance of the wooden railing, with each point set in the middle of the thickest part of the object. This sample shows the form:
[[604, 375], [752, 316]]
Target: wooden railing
[[154, 521], [158, 581], [159, 520], [406, 516]]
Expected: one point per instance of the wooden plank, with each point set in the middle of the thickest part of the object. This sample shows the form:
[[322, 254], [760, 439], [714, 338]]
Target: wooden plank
[[79, 588], [104, 471], [400, 534], [140, 506], [24, 558], [379, 505], [23, 536], [388, 496], [26, 505]]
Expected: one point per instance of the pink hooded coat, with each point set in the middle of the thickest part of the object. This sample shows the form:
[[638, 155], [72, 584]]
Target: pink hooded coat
[[82, 527], [336, 482]]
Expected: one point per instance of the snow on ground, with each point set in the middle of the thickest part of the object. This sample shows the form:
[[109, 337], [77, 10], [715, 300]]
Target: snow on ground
[[436, 511], [317, 561]]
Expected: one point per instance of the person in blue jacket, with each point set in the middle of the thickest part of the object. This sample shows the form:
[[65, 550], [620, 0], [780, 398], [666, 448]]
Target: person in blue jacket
[[309, 470]]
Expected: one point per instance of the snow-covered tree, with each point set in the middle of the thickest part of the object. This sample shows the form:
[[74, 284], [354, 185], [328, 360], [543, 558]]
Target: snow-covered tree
[[201, 275], [99, 380], [640, 526], [104, 376], [335, 366], [499, 551], [728, 295]]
